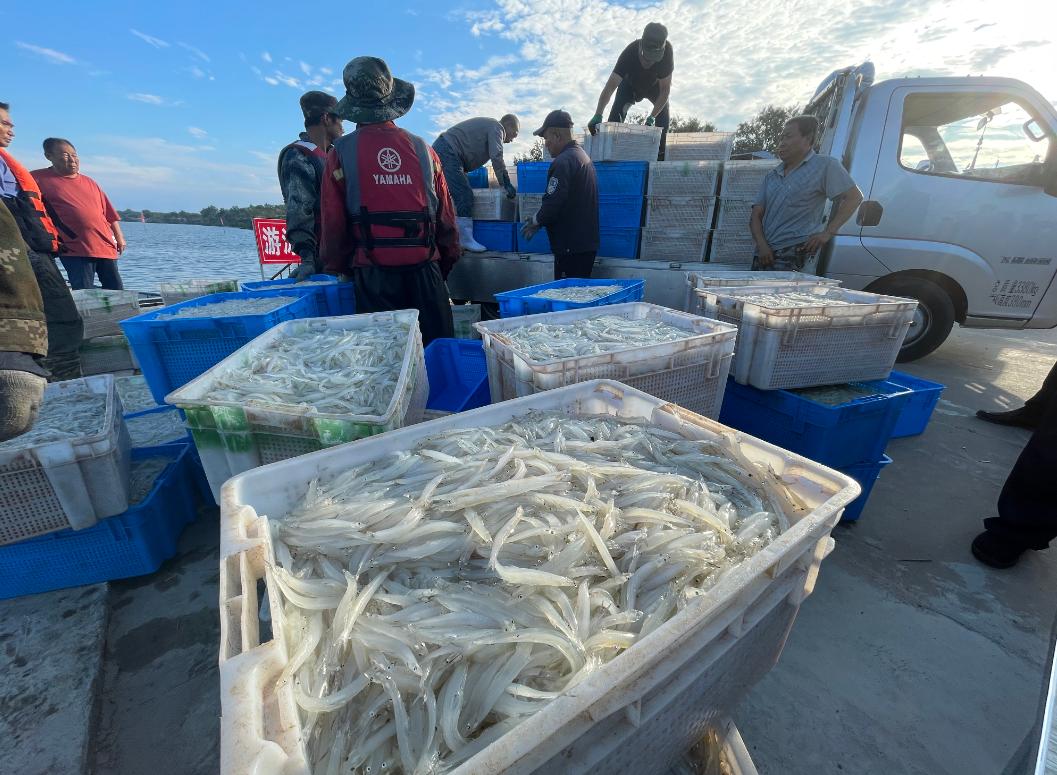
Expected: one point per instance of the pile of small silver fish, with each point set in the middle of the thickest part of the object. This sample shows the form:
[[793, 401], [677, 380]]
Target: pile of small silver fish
[[63, 415], [331, 371], [791, 299], [578, 293], [303, 283], [229, 308], [134, 394], [142, 475], [591, 336], [149, 430], [834, 395], [435, 598]]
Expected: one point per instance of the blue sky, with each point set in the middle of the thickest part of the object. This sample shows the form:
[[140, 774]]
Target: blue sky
[[181, 105]]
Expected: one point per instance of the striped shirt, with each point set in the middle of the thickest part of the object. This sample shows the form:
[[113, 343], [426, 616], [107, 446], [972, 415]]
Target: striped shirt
[[793, 201]]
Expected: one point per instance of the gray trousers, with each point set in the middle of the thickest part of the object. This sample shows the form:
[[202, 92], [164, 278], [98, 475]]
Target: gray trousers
[[455, 176], [65, 327]]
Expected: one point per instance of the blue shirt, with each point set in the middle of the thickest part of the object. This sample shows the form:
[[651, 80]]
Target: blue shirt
[[793, 201], [8, 184]]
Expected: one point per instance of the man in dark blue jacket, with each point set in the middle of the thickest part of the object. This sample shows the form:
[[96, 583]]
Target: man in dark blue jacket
[[570, 204]]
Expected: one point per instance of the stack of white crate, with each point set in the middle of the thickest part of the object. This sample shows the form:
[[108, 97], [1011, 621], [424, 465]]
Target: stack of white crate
[[528, 204], [492, 204], [698, 146], [680, 200], [623, 142], [732, 241]]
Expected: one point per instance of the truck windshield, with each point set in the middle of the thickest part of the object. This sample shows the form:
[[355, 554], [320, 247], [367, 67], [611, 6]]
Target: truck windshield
[[981, 136]]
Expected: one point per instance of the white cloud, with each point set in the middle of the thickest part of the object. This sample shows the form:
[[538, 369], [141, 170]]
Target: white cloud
[[305, 68], [271, 81], [150, 39], [266, 56], [731, 58], [150, 99], [197, 132], [196, 52], [53, 56]]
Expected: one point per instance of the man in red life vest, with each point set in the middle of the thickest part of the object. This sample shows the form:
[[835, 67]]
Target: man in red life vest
[[388, 219], [300, 171]]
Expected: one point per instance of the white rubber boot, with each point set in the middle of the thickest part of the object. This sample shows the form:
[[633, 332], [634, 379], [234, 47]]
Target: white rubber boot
[[466, 236]]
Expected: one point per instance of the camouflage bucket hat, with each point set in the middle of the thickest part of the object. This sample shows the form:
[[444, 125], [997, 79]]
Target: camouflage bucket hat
[[372, 95]]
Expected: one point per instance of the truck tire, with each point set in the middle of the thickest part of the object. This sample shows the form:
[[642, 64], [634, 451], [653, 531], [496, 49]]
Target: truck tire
[[933, 320]]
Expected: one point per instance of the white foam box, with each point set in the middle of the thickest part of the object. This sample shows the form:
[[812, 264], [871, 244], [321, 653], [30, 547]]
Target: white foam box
[[647, 706], [492, 204]]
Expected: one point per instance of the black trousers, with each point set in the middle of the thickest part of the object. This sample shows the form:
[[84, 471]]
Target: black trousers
[[421, 287], [65, 327], [626, 97], [574, 265], [1027, 505]]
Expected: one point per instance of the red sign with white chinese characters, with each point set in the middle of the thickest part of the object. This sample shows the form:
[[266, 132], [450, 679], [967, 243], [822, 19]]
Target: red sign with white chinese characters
[[272, 247]]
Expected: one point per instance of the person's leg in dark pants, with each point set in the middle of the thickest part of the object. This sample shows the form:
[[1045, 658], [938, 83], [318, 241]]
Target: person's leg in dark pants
[[663, 121], [428, 293], [455, 177], [574, 265], [1029, 415], [65, 327], [377, 289], [1027, 505], [622, 102], [109, 276], [80, 270]]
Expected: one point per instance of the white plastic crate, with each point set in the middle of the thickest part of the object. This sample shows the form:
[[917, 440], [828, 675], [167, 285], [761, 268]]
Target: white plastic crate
[[464, 316], [732, 247], [721, 752], [673, 245], [106, 355], [492, 204], [698, 281], [690, 372], [174, 293], [102, 310], [742, 179], [527, 205], [680, 212], [683, 178], [734, 215], [635, 713], [783, 347], [698, 146], [625, 142], [70, 483], [232, 437]]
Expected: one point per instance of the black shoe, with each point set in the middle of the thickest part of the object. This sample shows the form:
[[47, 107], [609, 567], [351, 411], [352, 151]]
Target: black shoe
[[991, 549], [1018, 418]]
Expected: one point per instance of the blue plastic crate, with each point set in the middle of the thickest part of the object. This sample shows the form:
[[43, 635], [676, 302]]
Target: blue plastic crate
[[458, 376], [185, 439], [619, 177], [540, 243], [866, 474], [134, 543], [619, 242], [519, 302], [496, 235], [620, 210], [842, 435], [924, 395], [337, 298], [532, 177], [172, 352], [478, 177]]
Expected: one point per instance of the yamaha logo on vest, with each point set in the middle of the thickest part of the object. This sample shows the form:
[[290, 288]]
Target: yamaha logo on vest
[[389, 160]]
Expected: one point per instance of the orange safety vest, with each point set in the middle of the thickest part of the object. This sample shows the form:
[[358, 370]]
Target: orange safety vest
[[36, 225]]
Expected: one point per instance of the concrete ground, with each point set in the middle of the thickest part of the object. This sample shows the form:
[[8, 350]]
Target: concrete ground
[[910, 657]]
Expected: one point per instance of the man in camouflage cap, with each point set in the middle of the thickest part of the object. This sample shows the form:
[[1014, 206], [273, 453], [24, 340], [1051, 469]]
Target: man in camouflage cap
[[300, 170]]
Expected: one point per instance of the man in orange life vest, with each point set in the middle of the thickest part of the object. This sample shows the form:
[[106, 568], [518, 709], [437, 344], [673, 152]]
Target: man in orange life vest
[[19, 191], [388, 219], [300, 171]]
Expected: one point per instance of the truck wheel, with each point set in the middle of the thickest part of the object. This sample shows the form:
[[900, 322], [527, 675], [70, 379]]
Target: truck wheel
[[933, 319]]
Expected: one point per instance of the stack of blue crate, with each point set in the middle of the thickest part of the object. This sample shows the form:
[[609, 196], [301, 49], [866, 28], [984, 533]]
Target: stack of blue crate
[[621, 196]]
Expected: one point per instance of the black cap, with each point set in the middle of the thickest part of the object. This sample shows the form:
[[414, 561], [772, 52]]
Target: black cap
[[651, 45], [315, 103], [556, 118]]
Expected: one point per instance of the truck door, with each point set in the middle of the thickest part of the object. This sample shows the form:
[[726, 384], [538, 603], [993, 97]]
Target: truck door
[[963, 223]]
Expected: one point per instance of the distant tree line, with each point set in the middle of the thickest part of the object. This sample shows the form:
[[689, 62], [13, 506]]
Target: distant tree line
[[237, 217]]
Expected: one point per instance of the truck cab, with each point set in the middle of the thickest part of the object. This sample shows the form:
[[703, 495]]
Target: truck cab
[[960, 183]]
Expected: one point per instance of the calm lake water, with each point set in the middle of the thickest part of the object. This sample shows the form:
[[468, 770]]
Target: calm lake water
[[161, 252]]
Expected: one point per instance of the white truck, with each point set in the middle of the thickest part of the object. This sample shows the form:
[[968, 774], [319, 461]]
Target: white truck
[[960, 211]]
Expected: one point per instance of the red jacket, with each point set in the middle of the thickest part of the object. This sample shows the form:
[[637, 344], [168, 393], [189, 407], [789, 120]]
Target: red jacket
[[394, 180]]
